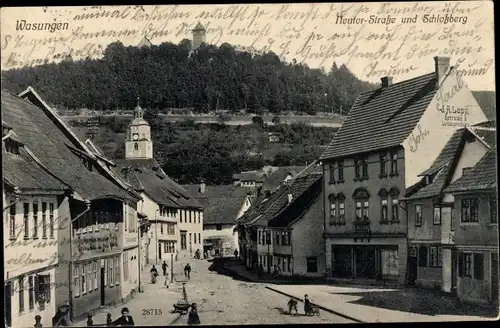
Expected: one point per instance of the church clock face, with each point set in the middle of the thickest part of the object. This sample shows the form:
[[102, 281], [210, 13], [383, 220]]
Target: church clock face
[[135, 136]]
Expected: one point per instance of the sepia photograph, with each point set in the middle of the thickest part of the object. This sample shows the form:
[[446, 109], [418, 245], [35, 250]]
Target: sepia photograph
[[249, 164]]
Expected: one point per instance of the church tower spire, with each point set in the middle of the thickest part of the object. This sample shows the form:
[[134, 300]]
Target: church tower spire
[[138, 144]]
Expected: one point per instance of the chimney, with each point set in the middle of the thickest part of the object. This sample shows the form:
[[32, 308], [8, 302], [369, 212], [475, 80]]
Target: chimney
[[441, 67], [202, 188], [290, 197], [386, 81]]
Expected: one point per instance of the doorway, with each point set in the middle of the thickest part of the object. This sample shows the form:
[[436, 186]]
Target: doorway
[[365, 263], [412, 266], [494, 278], [183, 240], [103, 286]]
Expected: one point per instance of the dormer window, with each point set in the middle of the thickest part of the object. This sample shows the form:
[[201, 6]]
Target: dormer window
[[11, 146]]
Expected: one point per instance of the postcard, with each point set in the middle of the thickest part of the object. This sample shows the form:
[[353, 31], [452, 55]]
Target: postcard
[[249, 164]]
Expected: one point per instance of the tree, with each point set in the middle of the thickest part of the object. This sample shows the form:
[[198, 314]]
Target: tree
[[258, 120], [276, 120]]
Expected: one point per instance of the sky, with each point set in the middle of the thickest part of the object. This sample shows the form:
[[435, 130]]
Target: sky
[[372, 39]]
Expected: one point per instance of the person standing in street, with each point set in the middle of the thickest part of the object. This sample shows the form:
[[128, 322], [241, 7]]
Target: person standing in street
[[193, 317], [164, 267], [187, 271], [125, 319], [235, 254]]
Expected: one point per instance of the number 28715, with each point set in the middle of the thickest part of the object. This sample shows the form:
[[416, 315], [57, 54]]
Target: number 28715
[[152, 312]]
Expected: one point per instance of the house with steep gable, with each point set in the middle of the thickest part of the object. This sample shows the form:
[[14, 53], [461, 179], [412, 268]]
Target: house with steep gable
[[99, 207], [223, 205], [390, 136], [476, 231], [432, 262]]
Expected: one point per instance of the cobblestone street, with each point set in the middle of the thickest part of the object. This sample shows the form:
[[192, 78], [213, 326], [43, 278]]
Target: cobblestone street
[[224, 301]]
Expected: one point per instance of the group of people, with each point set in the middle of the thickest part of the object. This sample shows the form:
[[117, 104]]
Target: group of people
[[308, 308], [164, 266]]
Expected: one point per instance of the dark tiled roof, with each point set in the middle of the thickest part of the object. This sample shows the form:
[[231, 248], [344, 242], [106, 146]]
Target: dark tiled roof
[[23, 172], [383, 118], [146, 175], [482, 176], [311, 187], [221, 203], [49, 141], [448, 153], [265, 209], [487, 135], [486, 124], [275, 179]]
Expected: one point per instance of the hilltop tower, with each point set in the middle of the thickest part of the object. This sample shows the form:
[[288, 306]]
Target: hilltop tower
[[199, 35], [138, 143]]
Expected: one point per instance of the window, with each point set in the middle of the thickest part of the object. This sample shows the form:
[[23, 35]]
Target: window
[[394, 163], [194, 236], [31, 292], [51, 220], [95, 275], [341, 200], [83, 284], [332, 173], [312, 264], [469, 210], [333, 208], [190, 240], [440, 256], [199, 237], [418, 215], [452, 223], [12, 222], [357, 168], [277, 237], [268, 238], [340, 169], [11, 147], [289, 264], [190, 216], [219, 227], [44, 287], [493, 210], [181, 216], [395, 210], [76, 279], [478, 266], [183, 240], [437, 215], [117, 271], [44, 220], [35, 220], [170, 229], [21, 294], [466, 265], [359, 209], [111, 272], [125, 263], [90, 280], [383, 210], [435, 253], [26, 219], [364, 167], [136, 146], [161, 228], [422, 256], [383, 164]]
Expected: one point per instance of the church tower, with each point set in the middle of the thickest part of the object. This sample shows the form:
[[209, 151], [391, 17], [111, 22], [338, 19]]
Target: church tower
[[138, 143], [199, 35]]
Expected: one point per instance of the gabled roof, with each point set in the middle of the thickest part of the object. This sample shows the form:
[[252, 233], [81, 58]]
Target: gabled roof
[[487, 102], [47, 137], [221, 203], [277, 177], [21, 171], [383, 118], [146, 175], [264, 209], [486, 135], [482, 176], [98, 152]]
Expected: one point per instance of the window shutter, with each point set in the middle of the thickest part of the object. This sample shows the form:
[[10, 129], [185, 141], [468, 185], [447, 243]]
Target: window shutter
[[461, 265], [47, 288], [478, 266], [37, 287]]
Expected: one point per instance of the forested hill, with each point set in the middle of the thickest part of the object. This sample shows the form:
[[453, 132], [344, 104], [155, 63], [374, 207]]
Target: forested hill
[[172, 76]]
